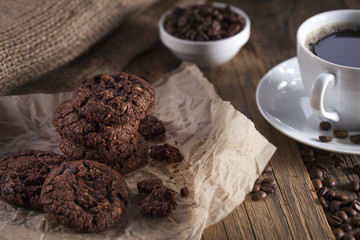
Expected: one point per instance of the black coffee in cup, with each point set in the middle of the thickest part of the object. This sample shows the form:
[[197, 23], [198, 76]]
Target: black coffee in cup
[[339, 44]]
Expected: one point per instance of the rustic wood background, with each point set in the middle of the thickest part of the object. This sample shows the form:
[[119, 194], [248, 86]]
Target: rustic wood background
[[293, 211]]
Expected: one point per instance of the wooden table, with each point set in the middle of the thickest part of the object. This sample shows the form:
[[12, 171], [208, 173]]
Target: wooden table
[[293, 211]]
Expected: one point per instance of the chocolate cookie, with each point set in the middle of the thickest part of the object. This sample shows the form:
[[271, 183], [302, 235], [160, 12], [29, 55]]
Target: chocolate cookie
[[71, 125], [148, 185], [85, 195], [121, 157], [22, 176], [160, 203], [114, 99], [151, 127], [166, 152]]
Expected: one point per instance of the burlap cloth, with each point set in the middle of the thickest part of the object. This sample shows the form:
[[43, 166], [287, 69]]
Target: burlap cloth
[[50, 45]]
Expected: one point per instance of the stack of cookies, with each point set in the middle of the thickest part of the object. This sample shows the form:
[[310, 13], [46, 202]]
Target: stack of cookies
[[100, 122]]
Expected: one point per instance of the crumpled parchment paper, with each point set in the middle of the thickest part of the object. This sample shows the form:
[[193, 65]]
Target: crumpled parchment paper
[[224, 154]]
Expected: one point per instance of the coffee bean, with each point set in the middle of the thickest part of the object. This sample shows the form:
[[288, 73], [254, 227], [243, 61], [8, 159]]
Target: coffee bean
[[346, 203], [307, 152], [355, 205], [335, 205], [309, 165], [325, 125], [349, 211], [355, 221], [321, 192], [317, 183], [315, 173], [348, 236], [330, 194], [340, 133], [267, 189], [324, 203], [329, 182], [268, 182], [338, 160], [268, 169], [256, 188], [326, 138], [346, 227], [203, 22], [322, 166], [338, 233], [355, 186], [342, 197], [355, 138], [334, 220], [258, 196], [342, 214]]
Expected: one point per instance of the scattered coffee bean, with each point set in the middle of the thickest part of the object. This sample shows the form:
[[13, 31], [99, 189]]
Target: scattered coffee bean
[[346, 203], [355, 186], [335, 205], [330, 194], [355, 221], [322, 166], [338, 160], [338, 233], [325, 126], [334, 220], [342, 197], [324, 202], [355, 138], [317, 183], [309, 165], [355, 205], [349, 211], [203, 22], [329, 182], [321, 192], [315, 173], [307, 152], [258, 195], [348, 236], [268, 182], [268, 169], [346, 227], [326, 138], [267, 189], [342, 214], [256, 188], [340, 133]]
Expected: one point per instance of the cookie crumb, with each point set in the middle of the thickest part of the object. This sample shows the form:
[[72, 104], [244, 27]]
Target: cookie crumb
[[184, 192], [166, 152]]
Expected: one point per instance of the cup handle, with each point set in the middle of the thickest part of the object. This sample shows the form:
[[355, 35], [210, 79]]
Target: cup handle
[[321, 83]]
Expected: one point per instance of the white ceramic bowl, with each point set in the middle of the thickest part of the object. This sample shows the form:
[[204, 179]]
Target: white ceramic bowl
[[206, 53]]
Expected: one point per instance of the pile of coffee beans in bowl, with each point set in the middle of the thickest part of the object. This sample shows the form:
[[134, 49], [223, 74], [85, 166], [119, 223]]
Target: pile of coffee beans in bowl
[[203, 22]]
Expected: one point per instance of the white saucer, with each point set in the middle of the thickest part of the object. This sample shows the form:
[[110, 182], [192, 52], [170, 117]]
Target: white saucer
[[282, 101]]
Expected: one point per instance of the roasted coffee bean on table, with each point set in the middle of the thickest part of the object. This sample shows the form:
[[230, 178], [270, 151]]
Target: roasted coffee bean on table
[[258, 195], [338, 233], [203, 22]]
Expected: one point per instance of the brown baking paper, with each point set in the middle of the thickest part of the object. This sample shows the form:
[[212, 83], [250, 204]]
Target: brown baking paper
[[224, 154]]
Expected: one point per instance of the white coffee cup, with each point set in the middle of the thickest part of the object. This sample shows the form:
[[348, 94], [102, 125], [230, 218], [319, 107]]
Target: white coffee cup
[[333, 89]]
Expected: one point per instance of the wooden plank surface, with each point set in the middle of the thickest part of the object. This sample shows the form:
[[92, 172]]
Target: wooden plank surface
[[293, 211]]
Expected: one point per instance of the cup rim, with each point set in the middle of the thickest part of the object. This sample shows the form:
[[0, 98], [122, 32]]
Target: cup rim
[[211, 42], [302, 45]]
